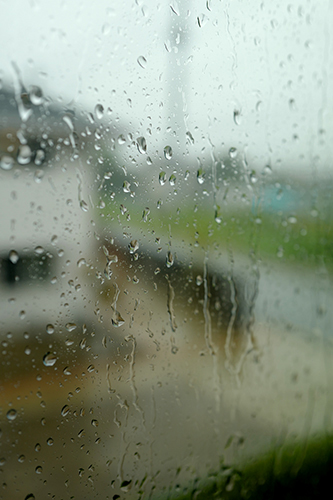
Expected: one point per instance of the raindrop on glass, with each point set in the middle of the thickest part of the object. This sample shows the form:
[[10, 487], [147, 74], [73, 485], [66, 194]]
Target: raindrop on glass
[[201, 176], [126, 187], [24, 155], [49, 359], [199, 280], [169, 259], [133, 246], [70, 326], [6, 162], [233, 153], [142, 145], [162, 178], [36, 95], [142, 61], [38, 176], [49, 329], [13, 256], [99, 111], [40, 157], [11, 414], [117, 320], [168, 152], [172, 180], [65, 410]]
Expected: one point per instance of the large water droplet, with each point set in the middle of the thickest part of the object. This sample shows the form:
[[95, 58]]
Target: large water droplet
[[36, 95], [172, 180], [38, 176], [6, 162], [168, 152], [190, 138], [169, 260], [40, 157], [99, 111], [13, 256], [142, 145], [142, 61], [49, 359], [233, 153], [65, 410], [49, 329], [70, 326], [117, 320], [201, 176], [24, 155], [11, 414], [145, 214], [133, 246], [162, 178]]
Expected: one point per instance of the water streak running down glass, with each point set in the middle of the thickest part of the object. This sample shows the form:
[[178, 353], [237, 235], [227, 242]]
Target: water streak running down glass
[[165, 249]]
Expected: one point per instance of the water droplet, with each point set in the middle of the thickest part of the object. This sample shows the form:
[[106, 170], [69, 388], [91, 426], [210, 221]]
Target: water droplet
[[253, 177], [94, 422], [50, 441], [84, 206], [39, 469], [36, 95], [199, 280], [201, 176], [99, 111], [168, 152], [126, 187], [267, 170], [237, 117], [162, 178], [38, 447], [91, 368], [24, 155], [117, 319], [142, 145], [81, 262], [27, 351], [142, 61], [65, 410], [11, 414], [70, 326], [133, 246], [172, 180], [145, 214], [233, 153], [49, 359], [6, 162], [121, 139], [190, 138], [39, 250], [21, 459], [40, 157], [38, 176], [30, 497], [13, 256], [125, 485], [169, 259]]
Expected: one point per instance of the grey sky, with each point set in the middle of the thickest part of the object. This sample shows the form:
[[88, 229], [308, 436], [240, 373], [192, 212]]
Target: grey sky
[[255, 75]]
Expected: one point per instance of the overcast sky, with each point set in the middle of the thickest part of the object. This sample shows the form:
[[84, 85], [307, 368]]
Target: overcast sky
[[250, 74]]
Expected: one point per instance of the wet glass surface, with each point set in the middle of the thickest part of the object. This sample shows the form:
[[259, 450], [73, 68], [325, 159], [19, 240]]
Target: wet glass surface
[[165, 246]]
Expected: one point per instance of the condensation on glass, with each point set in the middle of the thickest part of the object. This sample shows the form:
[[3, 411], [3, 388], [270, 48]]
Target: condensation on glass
[[165, 248]]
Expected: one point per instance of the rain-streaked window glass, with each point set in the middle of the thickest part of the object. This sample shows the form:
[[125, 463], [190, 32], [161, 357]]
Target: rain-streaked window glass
[[166, 249]]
